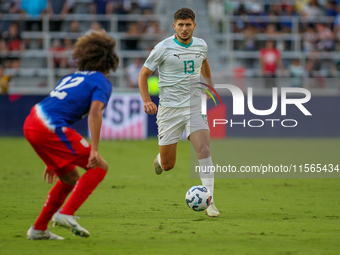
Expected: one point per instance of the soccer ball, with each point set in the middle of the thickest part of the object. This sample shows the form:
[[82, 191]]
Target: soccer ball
[[198, 197]]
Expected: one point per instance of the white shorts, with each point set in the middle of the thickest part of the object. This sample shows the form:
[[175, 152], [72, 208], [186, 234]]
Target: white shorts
[[172, 121]]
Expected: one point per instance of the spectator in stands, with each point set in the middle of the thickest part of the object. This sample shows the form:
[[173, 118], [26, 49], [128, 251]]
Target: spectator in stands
[[325, 38], [275, 10], [257, 10], [71, 5], [35, 9], [153, 29], [95, 27], [313, 68], [121, 7], [271, 31], [74, 27], [286, 24], [239, 10], [249, 41], [310, 39], [4, 81], [14, 46], [133, 72], [270, 17], [312, 10], [59, 54], [299, 5], [69, 47], [336, 26], [144, 24], [132, 37], [59, 8], [296, 73], [273, 34], [249, 44], [102, 7], [239, 24], [216, 14], [331, 8], [146, 5], [8, 7], [270, 59], [288, 14]]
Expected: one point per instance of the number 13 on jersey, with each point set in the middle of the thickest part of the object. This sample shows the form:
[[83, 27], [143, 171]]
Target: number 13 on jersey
[[189, 66]]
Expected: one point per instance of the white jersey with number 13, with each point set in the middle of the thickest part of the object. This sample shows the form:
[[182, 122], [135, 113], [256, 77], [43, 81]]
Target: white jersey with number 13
[[179, 67]]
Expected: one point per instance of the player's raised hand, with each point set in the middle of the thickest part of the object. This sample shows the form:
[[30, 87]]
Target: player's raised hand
[[50, 175], [150, 108]]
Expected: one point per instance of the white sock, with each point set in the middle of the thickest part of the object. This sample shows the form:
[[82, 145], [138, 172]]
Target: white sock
[[159, 160], [207, 177]]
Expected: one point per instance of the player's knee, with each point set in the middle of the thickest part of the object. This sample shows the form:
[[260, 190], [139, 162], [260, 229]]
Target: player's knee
[[70, 178], [72, 181], [204, 152]]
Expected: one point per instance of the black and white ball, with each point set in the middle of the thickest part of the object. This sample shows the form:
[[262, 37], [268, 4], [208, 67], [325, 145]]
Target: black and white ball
[[198, 198]]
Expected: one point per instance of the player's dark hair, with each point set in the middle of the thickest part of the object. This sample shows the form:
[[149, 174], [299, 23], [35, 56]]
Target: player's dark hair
[[184, 13], [95, 52]]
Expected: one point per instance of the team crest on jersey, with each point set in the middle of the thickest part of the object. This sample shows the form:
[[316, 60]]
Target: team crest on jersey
[[84, 143]]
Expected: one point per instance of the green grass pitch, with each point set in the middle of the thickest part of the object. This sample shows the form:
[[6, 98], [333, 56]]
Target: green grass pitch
[[134, 211]]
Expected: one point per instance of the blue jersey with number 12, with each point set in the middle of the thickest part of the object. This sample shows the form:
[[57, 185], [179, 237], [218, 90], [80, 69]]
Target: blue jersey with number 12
[[71, 99]]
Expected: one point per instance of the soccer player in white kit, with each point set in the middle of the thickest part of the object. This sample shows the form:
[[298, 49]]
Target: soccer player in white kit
[[180, 59]]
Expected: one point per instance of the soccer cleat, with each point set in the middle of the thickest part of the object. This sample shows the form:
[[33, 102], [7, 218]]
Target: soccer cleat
[[212, 211], [157, 166], [33, 234], [69, 221]]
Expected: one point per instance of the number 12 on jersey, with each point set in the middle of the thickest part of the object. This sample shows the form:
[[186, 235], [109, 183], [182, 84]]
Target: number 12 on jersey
[[189, 66], [66, 83]]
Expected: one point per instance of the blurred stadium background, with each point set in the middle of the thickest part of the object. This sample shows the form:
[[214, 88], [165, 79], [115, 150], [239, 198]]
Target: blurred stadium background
[[37, 38]]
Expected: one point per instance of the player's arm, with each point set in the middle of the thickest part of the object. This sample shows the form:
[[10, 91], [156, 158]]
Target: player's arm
[[205, 71], [149, 106], [95, 123]]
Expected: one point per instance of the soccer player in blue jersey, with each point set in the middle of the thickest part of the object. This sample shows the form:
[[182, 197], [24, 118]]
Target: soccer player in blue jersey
[[48, 130]]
